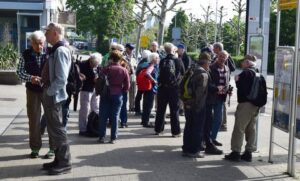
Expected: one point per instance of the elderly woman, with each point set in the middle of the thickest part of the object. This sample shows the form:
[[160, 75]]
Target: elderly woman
[[150, 76], [110, 105], [29, 70], [87, 94]]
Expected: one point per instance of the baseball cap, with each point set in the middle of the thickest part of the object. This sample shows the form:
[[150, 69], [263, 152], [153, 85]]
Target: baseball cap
[[129, 45], [181, 46]]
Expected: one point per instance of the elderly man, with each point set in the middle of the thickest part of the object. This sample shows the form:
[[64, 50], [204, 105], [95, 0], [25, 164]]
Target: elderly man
[[220, 78], [54, 76], [29, 71], [195, 109], [171, 71], [246, 113]]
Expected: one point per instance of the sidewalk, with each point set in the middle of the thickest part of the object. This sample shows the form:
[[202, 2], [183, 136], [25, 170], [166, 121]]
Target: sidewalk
[[138, 154]]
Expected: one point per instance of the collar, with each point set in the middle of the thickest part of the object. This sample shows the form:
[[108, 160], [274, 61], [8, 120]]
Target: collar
[[58, 44]]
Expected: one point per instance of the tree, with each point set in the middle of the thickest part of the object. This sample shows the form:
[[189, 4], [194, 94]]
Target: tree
[[239, 7], [207, 18], [162, 13], [220, 24], [105, 18], [180, 20], [140, 20]]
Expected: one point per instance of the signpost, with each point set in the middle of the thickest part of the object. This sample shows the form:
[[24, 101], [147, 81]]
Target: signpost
[[144, 41], [287, 4]]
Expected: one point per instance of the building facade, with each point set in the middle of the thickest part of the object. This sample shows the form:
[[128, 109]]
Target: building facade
[[18, 18]]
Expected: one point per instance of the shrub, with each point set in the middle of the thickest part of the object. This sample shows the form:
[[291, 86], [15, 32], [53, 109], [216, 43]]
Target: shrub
[[237, 60], [8, 57], [194, 55]]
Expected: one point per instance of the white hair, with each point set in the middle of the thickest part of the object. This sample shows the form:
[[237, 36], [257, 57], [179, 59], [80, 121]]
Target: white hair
[[37, 35], [120, 47], [153, 56], [145, 53], [95, 58], [224, 52], [169, 47], [154, 43], [113, 45], [219, 45]]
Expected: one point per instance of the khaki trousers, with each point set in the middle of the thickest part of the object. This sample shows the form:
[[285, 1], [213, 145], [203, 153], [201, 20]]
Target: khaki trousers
[[245, 123]]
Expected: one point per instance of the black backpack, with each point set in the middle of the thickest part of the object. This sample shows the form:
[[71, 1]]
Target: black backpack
[[167, 72], [102, 84], [92, 127], [258, 94], [74, 84]]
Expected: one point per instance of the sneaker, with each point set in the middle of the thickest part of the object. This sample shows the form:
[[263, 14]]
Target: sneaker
[[148, 125], [101, 140], [112, 141], [159, 133], [215, 142], [49, 155], [193, 155], [58, 170], [213, 150], [48, 166], [176, 135], [247, 156], [233, 156], [34, 154]]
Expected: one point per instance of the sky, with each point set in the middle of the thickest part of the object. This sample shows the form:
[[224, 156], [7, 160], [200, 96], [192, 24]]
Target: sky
[[193, 6]]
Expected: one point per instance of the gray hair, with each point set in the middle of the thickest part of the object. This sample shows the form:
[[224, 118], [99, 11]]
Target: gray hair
[[95, 58], [169, 47], [37, 35], [153, 56], [56, 27], [219, 45], [146, 53], [120, 47], [154, 43], [224, 52]]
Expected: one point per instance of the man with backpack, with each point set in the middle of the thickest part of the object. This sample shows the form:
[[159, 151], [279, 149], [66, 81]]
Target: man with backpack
[[171, 71], [195, 90], [252, 94]]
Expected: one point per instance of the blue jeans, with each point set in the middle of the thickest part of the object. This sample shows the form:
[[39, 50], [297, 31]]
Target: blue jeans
[[217, 118], [123, 113], [193, 131], [110, 107]]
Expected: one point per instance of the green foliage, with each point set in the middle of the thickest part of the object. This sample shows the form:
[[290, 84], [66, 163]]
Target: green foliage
[[287, 33], [8, 57], [105, 18], [182, 21], [194, 55], [237, 60]]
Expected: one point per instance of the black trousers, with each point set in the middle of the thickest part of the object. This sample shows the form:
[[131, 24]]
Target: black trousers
[[148, 100], [137, 101], [165, 96], [208, 125]]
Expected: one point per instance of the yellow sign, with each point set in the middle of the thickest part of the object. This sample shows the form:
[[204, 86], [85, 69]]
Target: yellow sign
[[287, 4], [144, 41]]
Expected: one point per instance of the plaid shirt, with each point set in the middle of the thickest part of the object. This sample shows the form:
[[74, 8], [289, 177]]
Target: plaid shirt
[[23, 75]]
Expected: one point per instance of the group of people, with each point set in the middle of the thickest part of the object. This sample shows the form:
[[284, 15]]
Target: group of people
[[156, 78]]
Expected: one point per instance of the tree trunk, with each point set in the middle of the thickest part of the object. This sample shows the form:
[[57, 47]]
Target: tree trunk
[[238, 36], [161, 25], [138, 39]]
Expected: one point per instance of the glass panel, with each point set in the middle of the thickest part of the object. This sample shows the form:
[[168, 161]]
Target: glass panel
[[8, 28], [28, 24]]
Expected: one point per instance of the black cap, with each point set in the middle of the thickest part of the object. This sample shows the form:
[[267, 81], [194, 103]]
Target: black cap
[[129, 45]]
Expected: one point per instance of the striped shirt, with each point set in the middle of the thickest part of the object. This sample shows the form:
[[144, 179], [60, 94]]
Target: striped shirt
[[23, 75], [222, 75]]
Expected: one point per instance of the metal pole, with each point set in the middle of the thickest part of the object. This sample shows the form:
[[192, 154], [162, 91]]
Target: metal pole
[[293, 111], [271, 146]]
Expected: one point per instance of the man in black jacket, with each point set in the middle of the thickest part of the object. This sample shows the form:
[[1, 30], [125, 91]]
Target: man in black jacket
[[171, 71], [246, 114]]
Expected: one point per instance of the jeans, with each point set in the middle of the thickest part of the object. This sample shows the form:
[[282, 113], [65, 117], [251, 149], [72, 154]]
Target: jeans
[[148, 100], [138, 98], [123, 113], [165, 96], [217, 118], [110, 107], [193, 131]]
